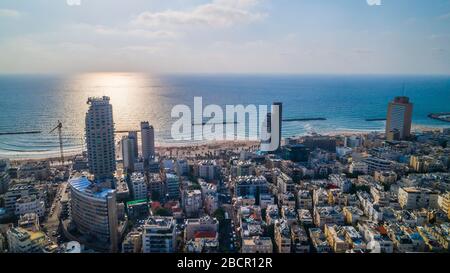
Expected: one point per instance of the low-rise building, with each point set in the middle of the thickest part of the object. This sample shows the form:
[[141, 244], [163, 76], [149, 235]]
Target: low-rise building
[[30, 204], [204, 224], [21, 240], [257, 244], [192, 203], [417, 198], [159, 235], [328, 215], [319, 241], [282, 234], [132, 242], [300, 241]]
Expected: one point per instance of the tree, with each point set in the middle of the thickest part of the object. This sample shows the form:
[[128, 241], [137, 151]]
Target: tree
[[163, 212], [219, 214], [156, 196]]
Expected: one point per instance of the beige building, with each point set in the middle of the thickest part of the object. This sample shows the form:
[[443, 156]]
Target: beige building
[[132, 242], [444, 203], [417, 198], [282, 236], [386, 177], [24, 241], [336, 238], [257, 245]]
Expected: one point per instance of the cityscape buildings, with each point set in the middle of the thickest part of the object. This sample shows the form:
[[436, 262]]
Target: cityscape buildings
[[378, 196]]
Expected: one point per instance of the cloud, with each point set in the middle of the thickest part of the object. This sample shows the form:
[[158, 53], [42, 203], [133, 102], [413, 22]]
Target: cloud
[[218, 13], [10, 13], [444, 16], [125, 32]]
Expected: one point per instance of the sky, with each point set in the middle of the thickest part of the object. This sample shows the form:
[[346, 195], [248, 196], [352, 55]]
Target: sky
[[225, 36]]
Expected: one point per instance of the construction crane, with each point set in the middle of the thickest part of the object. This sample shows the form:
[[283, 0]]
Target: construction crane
[[59, 127]]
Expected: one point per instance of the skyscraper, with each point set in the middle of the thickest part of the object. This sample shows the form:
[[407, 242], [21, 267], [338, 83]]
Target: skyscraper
[[127, 145], [399, 119], [148, 140], [133, 136], [100, 138]]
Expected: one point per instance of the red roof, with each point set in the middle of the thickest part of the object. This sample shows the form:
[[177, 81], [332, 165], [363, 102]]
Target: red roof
[[155, 205], [205, 234]]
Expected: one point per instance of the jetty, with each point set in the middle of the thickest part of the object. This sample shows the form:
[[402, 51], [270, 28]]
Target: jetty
[[440, 116], [303, 119], [375, 119], [20, 133]]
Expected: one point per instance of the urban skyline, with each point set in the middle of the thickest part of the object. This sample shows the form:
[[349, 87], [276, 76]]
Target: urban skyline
[[215, 132], [353, 193]]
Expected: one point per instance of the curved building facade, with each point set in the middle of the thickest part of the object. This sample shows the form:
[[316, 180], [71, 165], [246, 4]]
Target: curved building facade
[[93, 212]]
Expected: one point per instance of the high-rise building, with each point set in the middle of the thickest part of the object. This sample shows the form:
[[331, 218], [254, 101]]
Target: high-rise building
[[100, 138], [148, 140], [172, 186], [139, 186], [399, 119], [127, 146], [133, 137], [93, 212]]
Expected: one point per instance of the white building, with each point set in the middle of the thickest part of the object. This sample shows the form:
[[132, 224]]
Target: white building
[[30, 204], [207, 169], [100, 138], [139, 186], [358, 167], [211, 203], [192, 202], [417, 198], [200, 225], [159, 235]]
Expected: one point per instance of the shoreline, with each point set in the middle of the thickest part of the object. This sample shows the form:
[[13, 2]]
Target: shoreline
[[209, 145]]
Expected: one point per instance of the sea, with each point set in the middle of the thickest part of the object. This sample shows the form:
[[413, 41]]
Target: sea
[[38, 102]]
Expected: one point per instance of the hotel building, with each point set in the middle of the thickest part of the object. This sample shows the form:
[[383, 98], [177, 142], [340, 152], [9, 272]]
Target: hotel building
[[100, 138], [399, 119], [93, 212]]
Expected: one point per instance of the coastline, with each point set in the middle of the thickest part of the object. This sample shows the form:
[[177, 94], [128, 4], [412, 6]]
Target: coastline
[[204, 147]]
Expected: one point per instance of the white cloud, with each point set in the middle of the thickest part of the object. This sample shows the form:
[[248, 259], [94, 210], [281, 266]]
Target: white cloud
[[218, 13], [125, 32], [10, 13]]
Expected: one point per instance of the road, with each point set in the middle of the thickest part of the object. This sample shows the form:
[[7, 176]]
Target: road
[[52, 222]]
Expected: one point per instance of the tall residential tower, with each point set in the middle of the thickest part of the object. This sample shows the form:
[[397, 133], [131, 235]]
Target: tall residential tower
[[100, 138], [148, 140]]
